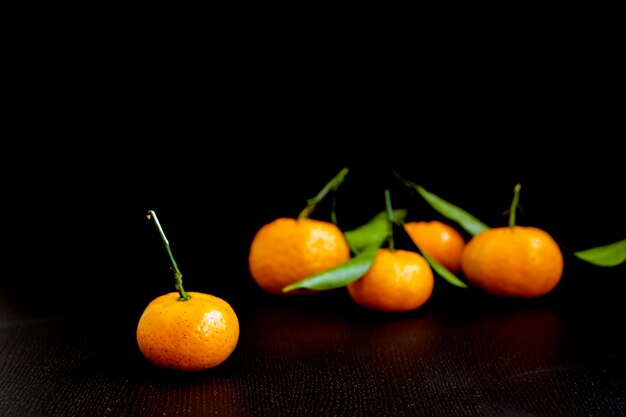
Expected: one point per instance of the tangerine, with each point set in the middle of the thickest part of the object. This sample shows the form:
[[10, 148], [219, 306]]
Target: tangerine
[[515, 261], [287, 250], [186, 331], [397, 281], [439, 240], [189, 335]]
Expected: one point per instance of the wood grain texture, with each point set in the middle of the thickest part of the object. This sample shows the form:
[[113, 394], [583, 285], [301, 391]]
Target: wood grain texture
[[322, 356]]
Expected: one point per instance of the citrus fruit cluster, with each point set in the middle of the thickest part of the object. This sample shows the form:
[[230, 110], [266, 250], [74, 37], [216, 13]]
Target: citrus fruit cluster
[[291, 255], [192, 331]]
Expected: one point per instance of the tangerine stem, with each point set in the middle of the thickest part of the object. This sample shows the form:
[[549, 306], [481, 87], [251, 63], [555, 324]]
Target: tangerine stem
[[331, 185], [389, 220], [178, 276], [514, 204]]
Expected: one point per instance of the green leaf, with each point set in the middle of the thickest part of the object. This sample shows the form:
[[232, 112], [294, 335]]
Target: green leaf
[[443, 272], [608, 255], [373, 232], [340, 275], [468, 222]]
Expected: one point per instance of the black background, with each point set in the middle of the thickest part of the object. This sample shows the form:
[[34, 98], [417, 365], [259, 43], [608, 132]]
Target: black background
[[223, 122]]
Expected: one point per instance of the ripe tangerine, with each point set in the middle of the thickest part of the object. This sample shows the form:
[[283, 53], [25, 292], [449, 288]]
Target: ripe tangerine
[[397, 281]]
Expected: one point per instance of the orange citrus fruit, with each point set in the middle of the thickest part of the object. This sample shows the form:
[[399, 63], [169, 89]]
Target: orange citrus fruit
[[288, 250], [513, 261], [438, 240], [397, 281], [191, 335]]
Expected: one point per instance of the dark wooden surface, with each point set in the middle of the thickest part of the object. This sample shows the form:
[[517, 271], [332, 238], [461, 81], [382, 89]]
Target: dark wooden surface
[[463, 354]]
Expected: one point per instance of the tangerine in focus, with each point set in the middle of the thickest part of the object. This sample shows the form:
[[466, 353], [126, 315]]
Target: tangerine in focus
[[397, 281], [439, 240], [287, 250], [188, 335], [515, 261]]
